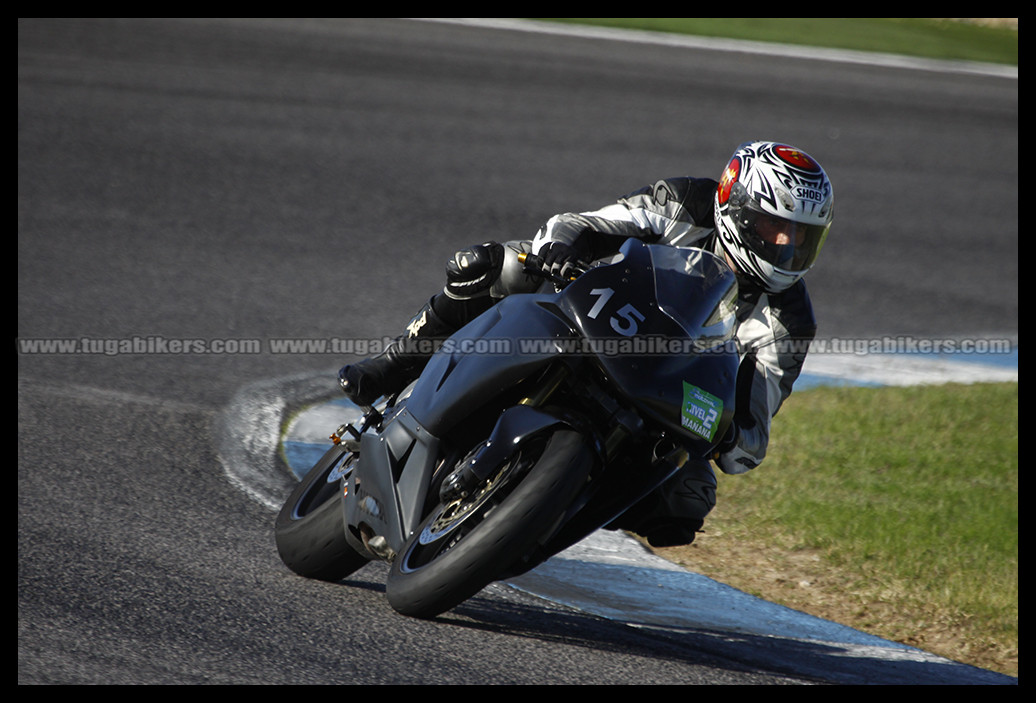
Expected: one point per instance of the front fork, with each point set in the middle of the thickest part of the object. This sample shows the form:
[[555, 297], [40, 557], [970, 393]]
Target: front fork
[[512, 428]]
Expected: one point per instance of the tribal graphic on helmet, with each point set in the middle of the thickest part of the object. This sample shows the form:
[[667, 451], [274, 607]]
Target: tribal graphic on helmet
[[773, 209]]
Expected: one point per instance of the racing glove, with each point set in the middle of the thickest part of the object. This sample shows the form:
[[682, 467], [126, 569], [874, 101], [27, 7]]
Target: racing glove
[[728, 442], [559, 259]]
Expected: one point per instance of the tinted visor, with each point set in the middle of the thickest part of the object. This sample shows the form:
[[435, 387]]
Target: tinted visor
[[785, 244]]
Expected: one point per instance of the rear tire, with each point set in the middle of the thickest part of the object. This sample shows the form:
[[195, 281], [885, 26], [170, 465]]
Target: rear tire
[[310, 528], [463, 546]]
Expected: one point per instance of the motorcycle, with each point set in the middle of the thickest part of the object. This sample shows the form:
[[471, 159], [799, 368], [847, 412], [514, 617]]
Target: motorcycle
[[539, 422]]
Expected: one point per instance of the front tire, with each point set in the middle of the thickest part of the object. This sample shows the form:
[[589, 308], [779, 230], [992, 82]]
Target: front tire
[[310, 528], [464, 545]]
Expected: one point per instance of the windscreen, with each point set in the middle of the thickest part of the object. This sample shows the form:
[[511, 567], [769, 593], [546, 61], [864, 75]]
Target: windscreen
[[697, 290]]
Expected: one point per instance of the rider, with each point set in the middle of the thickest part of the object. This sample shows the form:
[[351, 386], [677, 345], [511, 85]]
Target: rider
[[768, 216]]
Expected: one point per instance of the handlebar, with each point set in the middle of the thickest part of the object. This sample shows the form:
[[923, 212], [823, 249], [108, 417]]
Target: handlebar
[[534, 265]]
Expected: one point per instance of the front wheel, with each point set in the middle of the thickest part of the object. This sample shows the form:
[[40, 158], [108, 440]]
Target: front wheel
[[310, 528], [465, 544]]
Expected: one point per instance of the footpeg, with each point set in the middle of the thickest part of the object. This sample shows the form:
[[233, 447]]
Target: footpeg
[[380, 547]]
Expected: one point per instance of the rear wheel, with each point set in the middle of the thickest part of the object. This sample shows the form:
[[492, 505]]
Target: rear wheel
[[310, 528], [465, 544]]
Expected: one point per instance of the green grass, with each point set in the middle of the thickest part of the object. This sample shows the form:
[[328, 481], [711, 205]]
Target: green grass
[[922, 37], [910, 492]]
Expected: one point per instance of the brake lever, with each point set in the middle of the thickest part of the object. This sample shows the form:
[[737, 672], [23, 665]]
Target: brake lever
[[534, 265]]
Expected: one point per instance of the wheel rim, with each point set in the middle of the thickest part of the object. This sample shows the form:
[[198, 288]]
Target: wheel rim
[[326, 486], [451, 522]]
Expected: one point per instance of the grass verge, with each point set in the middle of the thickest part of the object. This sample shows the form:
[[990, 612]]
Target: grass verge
[[890, 510], [994, 41]]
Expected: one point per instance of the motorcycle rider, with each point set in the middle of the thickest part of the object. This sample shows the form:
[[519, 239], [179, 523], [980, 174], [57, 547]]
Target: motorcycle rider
[[768, 216]]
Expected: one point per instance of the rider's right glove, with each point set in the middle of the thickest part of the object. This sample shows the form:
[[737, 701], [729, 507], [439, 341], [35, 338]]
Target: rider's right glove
[[559, 259], [728, 442]]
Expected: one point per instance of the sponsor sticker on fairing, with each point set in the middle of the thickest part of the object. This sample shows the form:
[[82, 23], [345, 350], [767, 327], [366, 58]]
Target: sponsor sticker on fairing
[[700, 412]]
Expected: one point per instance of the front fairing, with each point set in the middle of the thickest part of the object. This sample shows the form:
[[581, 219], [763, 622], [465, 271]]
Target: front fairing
[[510, 342], [659, 322]]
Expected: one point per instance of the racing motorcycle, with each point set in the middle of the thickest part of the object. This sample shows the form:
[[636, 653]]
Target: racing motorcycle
[[534, 425]]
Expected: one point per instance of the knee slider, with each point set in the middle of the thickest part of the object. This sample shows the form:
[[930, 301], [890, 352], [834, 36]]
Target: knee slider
[[471, 272]]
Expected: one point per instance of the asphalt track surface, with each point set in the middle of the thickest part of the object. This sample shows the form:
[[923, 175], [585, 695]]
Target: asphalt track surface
[[233, 180]]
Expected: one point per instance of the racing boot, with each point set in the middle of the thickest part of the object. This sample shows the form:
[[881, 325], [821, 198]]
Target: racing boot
[[670, 515], [400, 363]]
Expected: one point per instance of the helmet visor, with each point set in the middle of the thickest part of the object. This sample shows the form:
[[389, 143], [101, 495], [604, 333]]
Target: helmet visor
[[783, 243]]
